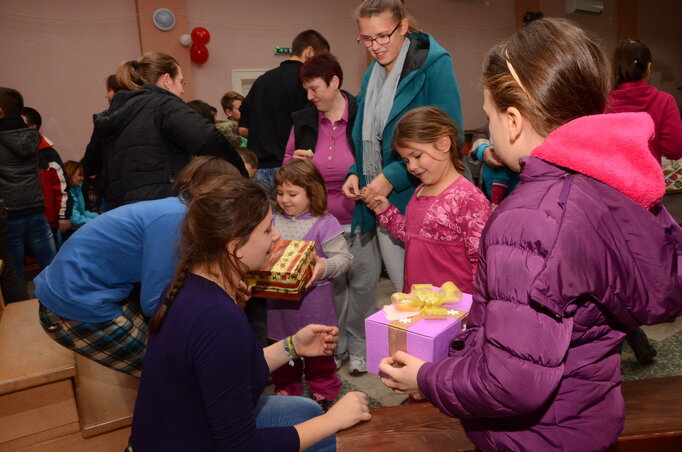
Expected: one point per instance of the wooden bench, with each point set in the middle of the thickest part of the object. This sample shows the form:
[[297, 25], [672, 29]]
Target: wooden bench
[[653, 423], [106, 397], [37, 400]]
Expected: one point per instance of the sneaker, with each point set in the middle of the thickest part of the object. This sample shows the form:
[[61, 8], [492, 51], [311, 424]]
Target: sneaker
[[324, 402], [358, 365], [339, 359]]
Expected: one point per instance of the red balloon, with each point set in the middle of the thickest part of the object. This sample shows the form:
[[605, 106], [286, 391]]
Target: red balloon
[[198, 53], [200, 35]]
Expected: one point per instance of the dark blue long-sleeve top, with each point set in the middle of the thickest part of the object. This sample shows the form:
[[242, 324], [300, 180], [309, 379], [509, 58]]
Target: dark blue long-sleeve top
[[201, 379]]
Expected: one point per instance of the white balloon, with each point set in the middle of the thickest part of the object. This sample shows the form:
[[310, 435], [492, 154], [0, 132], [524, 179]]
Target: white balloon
[[186, 40]]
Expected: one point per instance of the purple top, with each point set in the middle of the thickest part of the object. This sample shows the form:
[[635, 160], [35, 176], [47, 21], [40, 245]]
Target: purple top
[[333, 157], [203, 374], [317, 305], [567, 264]]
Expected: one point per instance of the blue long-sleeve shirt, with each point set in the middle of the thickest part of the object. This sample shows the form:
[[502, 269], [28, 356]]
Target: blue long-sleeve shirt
[[101, 264], [203, 374]]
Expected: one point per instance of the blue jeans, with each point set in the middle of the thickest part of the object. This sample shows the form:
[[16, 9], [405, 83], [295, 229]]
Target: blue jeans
[[32, 233], [266, 177], [286, 411]]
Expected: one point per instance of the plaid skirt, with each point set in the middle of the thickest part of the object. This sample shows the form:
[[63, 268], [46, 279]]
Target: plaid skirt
[[119, 344]]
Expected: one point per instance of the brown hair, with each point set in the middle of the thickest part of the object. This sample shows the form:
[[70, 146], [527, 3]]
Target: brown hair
[[223, 210], [133, 74], [227, 101], [201, 170], [112, 84], [203, 109], [71, 168], [306, 175], [309, 38], [248, 156], [324, 66], [562, 74], [428, 125], [11, 102], [630, 61], [396, 8]]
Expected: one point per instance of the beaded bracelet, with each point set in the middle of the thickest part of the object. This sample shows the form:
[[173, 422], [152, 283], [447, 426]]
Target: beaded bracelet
[[290, 350]]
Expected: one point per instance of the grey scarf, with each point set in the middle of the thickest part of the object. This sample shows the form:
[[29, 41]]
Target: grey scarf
[[378, 103]]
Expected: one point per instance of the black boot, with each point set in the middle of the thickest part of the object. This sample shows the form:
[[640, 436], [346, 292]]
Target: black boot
[[639, 343]]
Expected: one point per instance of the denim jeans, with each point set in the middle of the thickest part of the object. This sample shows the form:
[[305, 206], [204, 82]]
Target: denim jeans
[[285, 411], [32, 233], [266, 177]]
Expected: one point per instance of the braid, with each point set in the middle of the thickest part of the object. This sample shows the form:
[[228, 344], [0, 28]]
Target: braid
[[178, 282]]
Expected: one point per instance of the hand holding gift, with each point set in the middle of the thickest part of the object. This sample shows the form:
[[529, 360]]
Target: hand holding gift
[[400, 372], [420, 324], [316, 340], [318, 270]]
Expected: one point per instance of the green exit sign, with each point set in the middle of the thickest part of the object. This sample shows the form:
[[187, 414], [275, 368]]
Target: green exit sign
[[282, 50]]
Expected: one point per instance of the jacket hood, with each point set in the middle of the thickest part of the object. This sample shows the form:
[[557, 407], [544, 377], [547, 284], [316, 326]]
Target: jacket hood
[[21, 141], [612, 148], [631, 97], [125, 105]]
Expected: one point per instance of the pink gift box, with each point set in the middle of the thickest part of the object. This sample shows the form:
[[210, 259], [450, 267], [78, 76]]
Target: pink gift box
[[424, 338]]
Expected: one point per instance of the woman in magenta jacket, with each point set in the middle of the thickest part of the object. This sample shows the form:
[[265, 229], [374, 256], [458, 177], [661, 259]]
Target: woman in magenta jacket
[[632, 69]]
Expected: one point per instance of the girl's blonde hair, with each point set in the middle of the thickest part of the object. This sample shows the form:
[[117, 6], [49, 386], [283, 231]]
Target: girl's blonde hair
[[71, 168], [551, 71], [428, 125], [133, 74], [396, 8], [306, 175]]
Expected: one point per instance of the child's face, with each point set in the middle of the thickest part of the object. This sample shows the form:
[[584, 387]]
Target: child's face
[[510, 149], [234, 113], [430, 162], [292, 199], [77, 178], [251, 170]]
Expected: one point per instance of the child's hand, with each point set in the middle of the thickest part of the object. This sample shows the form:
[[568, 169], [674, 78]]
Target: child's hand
[[318, 270], [380, 186], [351, 188], [243, 294], [491, 159], [349, 410], [379, 204], [316, 340], [401, 374], [303, 154]]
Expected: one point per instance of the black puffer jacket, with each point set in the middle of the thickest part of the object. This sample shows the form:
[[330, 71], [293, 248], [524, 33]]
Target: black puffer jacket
[[144, 139], [19, 176]]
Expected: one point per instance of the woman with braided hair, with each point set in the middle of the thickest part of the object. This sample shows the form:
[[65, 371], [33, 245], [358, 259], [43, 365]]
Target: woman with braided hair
[[205, 370]]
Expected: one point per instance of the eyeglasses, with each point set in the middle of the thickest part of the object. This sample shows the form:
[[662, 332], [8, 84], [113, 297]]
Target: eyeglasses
[[381, 39]]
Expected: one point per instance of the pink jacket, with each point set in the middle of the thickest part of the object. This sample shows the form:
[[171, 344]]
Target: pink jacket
[[638, 96]]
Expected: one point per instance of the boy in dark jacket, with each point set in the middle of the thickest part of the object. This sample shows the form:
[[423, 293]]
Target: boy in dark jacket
[[55, 188], [20, 185]]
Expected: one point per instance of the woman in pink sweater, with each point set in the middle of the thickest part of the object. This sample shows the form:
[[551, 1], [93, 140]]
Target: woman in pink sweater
[[632, 69]]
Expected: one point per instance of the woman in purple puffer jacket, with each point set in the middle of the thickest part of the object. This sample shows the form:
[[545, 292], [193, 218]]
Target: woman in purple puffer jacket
[[577, 255]]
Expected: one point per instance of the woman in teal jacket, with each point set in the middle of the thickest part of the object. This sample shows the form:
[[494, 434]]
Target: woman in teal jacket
[[410, 70]]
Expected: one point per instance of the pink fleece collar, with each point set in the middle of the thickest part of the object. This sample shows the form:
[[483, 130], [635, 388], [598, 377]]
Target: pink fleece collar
[[612, 148]]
